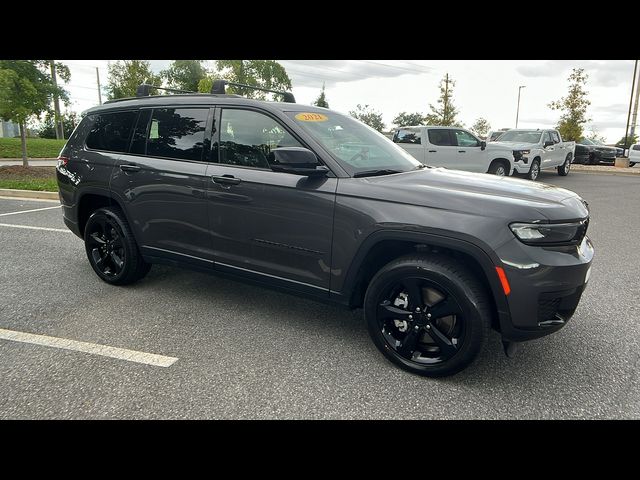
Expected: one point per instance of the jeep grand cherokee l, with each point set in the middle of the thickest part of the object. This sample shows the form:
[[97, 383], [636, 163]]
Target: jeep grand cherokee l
[[311, 201]]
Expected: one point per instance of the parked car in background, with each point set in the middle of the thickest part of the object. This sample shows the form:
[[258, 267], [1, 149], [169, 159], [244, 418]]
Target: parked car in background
[[493, 135], [454, 147], [535, 150], [634, 154], [591, 152]]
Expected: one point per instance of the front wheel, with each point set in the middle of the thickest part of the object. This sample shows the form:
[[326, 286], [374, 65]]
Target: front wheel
[[534, 171], [498, 168], [111, 248], [631, 164], [427, 314], [563, 170]]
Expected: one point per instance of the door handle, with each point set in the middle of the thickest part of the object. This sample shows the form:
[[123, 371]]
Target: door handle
[[433, 151], [462, 151], [226, 179], [129, 168]]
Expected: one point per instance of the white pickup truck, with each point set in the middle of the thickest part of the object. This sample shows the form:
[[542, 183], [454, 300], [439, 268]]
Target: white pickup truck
[[455, 148], [535, 150]]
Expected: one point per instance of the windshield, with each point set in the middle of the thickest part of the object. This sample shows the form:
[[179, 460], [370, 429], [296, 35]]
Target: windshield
[[520, 137], [357, 147]]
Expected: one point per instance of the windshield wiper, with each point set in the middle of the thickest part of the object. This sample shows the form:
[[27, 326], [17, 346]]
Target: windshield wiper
[[374, 173]]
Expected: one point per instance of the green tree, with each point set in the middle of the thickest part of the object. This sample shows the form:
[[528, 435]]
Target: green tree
[[369, 116], [184, 74], [47, 128], [259, 73], [404, 119], [622, 143], [26, 90], [574, 107], [445, 112], [123, 78], [481, 127], [321, 101]]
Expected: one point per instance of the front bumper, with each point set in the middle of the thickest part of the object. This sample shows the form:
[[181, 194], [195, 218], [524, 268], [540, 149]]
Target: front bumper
[[546, 286]]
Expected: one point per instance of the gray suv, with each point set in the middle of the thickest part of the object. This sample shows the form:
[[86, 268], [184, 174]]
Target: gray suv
[[311, 201]]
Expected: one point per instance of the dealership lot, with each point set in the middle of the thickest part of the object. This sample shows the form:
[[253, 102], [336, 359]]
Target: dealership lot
[[248, 352]]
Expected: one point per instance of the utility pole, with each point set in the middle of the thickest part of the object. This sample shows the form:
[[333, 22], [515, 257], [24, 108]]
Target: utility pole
[[626, 131], [56, 103], [634, 117], [518, 110], [99, 92]]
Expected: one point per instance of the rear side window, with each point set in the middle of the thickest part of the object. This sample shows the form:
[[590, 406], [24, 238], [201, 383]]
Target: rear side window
[[176, 133], [111, 131], [407, 135], [636, 147], [440, 137]]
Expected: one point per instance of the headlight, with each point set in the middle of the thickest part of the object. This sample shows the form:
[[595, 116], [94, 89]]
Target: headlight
[[521, 152], [550, 233]]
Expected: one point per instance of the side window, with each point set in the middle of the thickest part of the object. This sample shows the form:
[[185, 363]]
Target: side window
[[111, 131], [247, 137], [177, 133], [547, 137], [555, 137], [465, 139], [636, 147], [139, 141], [440, 136], [407, 135]]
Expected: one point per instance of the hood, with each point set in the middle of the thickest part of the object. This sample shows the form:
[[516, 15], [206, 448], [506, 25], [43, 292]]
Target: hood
[[516, 145], [476, 193], [604, 148]]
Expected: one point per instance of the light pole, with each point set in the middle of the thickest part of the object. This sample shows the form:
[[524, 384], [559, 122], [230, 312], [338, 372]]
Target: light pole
[[518, 110]]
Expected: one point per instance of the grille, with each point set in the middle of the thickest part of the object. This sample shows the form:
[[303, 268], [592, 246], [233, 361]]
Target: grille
[[547, 309]]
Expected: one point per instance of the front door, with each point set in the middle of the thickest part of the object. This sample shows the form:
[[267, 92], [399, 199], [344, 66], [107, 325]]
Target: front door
[[270, 225], [470, 156], [162, 183]]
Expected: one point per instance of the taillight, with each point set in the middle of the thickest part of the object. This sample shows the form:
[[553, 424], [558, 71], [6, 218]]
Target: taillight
[[62, 161]]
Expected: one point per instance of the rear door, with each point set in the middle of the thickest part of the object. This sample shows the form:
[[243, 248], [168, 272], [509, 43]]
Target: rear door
[[441, 149], [162, 182], [410, 139]]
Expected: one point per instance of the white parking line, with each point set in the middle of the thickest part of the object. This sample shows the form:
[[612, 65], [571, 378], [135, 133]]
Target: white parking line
[[29, 227], [28, 211], [93, 348]]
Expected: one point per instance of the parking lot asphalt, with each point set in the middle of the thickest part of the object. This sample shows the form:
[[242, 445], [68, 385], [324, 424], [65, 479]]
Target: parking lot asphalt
[[249, 352]]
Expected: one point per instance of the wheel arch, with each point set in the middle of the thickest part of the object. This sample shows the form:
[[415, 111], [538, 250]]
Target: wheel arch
[[92, 199], [507, 164]]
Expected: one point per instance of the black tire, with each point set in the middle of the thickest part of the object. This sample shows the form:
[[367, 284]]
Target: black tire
[[631, 164], [534, 170], [465, 332], [563, 170], [500, 168], [111, 249]]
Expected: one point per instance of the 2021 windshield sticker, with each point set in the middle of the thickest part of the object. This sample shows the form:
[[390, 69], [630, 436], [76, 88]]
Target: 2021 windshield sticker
[[311, 117]]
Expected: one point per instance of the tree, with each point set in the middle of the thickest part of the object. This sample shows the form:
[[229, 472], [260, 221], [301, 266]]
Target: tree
[[574, 107], [404, 119], [26, 90], [321, 101], [481, 127], [622, 143], [445, 112], [184, 74], [125, 76], [369, 116], [48, 127], [259, 73]]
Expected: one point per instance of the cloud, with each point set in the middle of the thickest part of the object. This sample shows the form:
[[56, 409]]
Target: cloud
[[610, 73]]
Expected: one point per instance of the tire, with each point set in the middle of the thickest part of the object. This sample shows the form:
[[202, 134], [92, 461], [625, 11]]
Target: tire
[[631, 164], [563, 170], [111, 249], [534, 170], [499, 168], [429, 345]]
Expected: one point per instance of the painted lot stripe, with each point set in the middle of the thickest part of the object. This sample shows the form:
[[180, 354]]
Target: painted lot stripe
[[93, 348], [29, 227], [28, 211]]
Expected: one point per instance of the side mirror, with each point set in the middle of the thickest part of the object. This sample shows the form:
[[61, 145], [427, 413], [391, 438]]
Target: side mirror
[[296, 160], [483, 144], [548, 144]]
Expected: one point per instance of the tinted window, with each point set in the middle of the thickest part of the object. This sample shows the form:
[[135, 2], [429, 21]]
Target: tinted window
[[177, 133], [636, 147], [247, 137], [547, 137], [440, 137], [465, 139], [111, 131], [139, 141], [555, 137], [407, 135]]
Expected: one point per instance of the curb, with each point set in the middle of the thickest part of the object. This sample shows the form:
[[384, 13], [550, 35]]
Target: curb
[[605, 172], [37, 159], [10, 192]]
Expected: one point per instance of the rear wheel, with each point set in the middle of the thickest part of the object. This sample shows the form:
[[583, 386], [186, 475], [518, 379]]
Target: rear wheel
[[111, 248], [534, 171], [563, 170], [427, 314]]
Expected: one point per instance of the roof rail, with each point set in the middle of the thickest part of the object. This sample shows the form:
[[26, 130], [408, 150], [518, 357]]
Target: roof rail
[[218, 87], [144, 89]]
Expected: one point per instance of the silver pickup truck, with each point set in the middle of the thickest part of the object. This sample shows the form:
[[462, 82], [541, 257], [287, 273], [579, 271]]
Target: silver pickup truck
[[535, 150]]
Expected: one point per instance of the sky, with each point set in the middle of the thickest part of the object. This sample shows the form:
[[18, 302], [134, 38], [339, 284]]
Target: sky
[[483, 88]]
